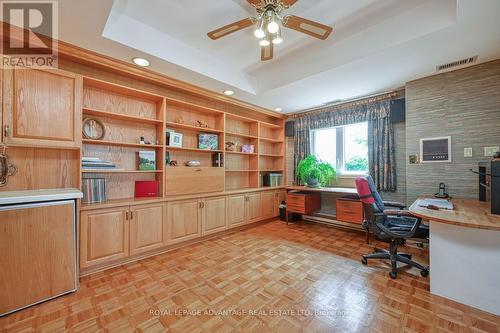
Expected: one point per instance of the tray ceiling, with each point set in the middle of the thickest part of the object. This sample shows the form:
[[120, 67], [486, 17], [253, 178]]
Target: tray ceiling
[[376, 45]]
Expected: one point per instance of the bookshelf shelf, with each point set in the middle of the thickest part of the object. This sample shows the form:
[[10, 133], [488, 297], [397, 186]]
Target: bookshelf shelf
[[193, 149], [122, 144], [241, 135], [271, 140], [119, 171], [114, 115], [241, 153], [192, 128]]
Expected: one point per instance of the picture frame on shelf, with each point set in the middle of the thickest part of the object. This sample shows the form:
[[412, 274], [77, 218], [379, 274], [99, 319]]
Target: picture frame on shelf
[[208, 141], [146, 160], [175, 139], [248, 149]]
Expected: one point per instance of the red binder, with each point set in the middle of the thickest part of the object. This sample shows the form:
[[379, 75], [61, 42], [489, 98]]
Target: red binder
[[146, 188]]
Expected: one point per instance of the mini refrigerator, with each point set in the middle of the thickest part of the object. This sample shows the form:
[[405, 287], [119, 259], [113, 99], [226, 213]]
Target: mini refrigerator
[[38, 253]]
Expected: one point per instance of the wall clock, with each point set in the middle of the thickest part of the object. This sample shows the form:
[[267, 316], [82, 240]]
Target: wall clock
[[93, 129]]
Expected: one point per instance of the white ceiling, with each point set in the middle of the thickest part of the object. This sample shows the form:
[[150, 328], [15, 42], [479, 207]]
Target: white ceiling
[[377, 45]]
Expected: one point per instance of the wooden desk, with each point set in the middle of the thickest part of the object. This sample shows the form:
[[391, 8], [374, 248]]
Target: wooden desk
[[464, 253], [349, 221], [346, 190], [467, 213]]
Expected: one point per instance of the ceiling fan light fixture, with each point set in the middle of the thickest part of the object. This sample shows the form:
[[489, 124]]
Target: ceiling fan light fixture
[[273, 26], [277, 39], [259, 31], [264, 42]]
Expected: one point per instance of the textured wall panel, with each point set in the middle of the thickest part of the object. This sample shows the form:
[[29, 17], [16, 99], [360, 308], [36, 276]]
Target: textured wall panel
[[464, 104]]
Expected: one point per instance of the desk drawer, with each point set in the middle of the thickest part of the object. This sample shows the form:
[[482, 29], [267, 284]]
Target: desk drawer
[[303, 203], [293, 199], [349, 211]]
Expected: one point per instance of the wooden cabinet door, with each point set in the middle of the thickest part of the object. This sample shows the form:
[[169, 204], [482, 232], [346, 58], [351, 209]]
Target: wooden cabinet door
[[268, 204], [280, 196], [42, 107], [38, 260], [183, 220], [236, 210], [147, 230], [254, 207], [104, 236], [214, 215]]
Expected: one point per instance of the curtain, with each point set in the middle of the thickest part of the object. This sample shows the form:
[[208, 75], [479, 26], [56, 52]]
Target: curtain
[[381, 150], [380, 137]]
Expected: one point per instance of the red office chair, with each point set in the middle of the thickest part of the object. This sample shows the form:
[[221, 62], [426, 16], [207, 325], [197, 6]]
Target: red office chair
[[389, 225]]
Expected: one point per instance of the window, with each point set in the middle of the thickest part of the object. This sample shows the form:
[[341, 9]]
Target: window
[[345, 147]]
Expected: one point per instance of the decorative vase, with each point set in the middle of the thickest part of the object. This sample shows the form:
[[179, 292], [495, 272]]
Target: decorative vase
[[312, 182]]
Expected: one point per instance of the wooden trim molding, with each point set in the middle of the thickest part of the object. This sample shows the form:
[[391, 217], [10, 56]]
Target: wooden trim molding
[[83, 56]]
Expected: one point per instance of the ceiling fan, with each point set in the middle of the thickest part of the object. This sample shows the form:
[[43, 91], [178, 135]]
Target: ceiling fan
[[268, 25]]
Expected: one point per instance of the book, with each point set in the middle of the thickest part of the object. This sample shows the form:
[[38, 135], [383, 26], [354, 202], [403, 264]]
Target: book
[[146, 160]]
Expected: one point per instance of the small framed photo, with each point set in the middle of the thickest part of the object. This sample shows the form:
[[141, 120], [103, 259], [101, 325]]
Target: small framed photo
[[208, 141], [175, 139], [146, 160], [249, 149]]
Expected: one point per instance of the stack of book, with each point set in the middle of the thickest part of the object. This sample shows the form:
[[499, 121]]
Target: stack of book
[[95, 163]]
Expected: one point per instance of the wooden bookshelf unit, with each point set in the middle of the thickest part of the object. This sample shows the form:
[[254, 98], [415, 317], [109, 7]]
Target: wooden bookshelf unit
[[127, 115]]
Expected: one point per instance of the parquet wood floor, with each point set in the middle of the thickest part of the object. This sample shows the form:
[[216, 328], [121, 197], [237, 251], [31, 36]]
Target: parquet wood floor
[[271, 278]]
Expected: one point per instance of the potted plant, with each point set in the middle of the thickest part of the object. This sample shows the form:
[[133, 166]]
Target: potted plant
[[314, 172]]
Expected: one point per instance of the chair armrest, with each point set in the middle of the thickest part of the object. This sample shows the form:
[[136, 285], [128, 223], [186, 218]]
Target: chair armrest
[[394, 204], [398, 212], [398, 233]]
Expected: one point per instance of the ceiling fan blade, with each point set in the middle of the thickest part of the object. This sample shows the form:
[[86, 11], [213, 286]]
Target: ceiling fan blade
[[230, 28], [311, 28], [255, 3], [288, 3], [266, 52]]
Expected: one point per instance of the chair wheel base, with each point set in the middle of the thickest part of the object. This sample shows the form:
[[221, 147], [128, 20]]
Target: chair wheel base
[[393, 275], [424, 272], [364, 261]]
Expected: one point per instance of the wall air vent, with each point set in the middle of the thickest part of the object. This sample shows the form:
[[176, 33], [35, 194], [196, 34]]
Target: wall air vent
[[463, 62]]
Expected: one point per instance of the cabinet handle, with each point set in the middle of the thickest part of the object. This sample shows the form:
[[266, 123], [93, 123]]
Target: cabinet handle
[[6, 131], [126, 215], [203, 204], [131, 215]]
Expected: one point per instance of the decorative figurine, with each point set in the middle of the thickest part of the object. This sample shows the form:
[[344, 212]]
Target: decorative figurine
[[202, 124], [230, 146]]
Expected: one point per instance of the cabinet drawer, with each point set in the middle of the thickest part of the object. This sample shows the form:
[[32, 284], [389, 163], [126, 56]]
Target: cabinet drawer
[[186, 180], [303, 203], [349, 211]]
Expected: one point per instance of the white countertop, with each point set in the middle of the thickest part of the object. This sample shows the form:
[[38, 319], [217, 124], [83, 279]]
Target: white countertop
[[19, 197]]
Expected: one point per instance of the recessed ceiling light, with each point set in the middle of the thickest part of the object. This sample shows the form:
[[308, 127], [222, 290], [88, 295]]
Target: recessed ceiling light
[[228, 92], [141, 62], [278, 109]]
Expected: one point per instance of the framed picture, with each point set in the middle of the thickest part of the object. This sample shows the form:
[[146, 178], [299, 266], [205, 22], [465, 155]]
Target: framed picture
[[435, 149], [175, 139], [146, 160], [249, 149], [208, 141]]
